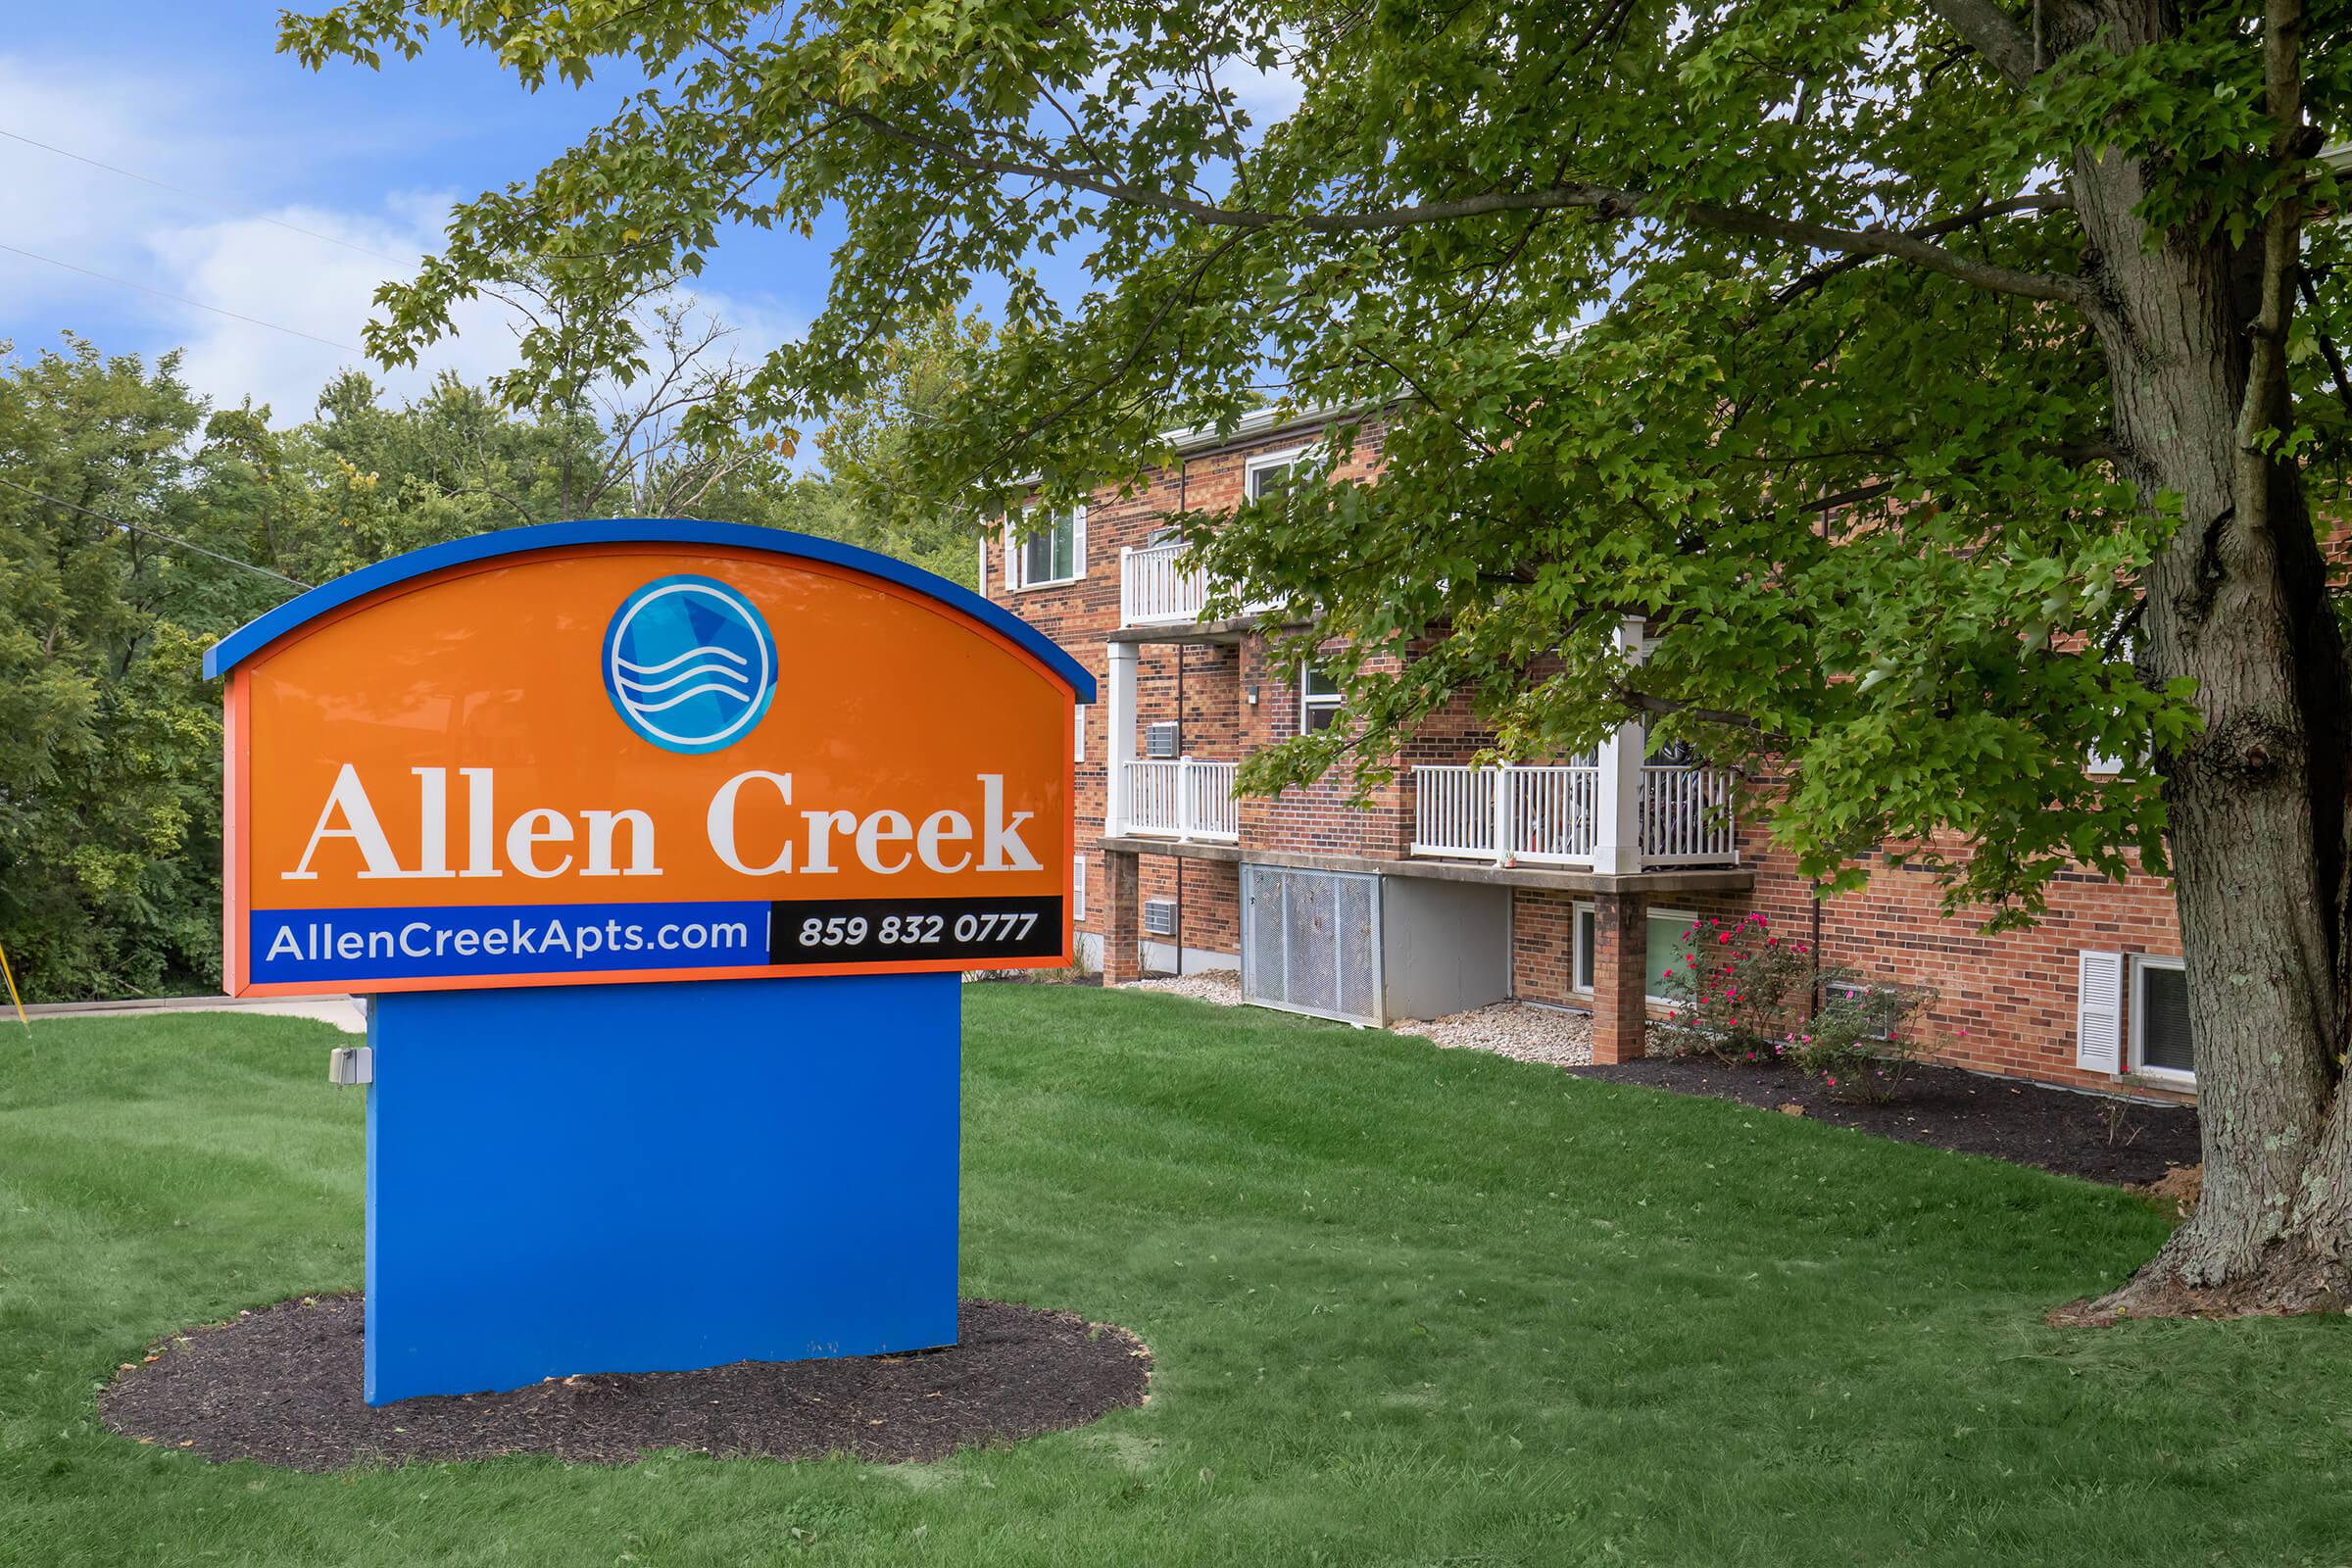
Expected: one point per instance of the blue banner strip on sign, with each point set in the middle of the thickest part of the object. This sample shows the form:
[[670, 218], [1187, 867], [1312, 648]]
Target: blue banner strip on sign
[[359, 944]]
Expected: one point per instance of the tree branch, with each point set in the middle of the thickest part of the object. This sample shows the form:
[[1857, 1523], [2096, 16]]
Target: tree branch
[[2265, 407], [1644, 703], [1982, 213], [1987, 29], [1603, 202]]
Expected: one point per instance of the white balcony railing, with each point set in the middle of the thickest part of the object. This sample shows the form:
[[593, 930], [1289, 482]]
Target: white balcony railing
[[1154, 590], [1548, 816], [1687, 816], [1183, 799], [1558, 814]]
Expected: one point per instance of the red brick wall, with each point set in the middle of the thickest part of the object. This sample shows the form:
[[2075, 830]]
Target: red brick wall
[[1544, 945], [2004, 1003]]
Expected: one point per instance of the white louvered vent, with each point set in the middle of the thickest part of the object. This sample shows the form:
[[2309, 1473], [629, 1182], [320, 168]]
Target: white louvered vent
[[2100, 1011], [1161, 740], [1159, 916]]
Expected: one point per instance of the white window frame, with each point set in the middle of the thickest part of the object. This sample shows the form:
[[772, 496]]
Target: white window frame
[[1287, 457], [1078, 884], [1687, 916], [2099, 764], [2141, 963], [1584, 956], [1078, 728], [1308, 701], [1016, 544]]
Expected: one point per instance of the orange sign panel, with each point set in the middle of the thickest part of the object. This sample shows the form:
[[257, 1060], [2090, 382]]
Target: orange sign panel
[[642, 751]]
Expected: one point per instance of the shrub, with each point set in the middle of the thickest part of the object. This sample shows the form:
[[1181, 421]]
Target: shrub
[[1739, 994], [1860, 1042]]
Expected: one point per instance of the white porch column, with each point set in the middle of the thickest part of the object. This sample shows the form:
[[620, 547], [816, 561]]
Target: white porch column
[[1119, 740], [1617, 849]]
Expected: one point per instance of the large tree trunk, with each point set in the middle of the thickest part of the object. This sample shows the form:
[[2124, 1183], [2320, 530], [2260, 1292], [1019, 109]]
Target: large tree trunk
[[2257, 801]]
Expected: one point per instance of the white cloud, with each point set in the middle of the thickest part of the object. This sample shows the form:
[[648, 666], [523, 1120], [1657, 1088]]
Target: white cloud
[[208, 242], [1268, 97]]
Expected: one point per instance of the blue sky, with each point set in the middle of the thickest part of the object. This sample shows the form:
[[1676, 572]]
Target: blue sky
[[194, 96]]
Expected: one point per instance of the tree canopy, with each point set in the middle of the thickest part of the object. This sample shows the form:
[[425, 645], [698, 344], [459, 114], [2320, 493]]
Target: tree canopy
[[1766, 321], [1955, 381], [127, 505]]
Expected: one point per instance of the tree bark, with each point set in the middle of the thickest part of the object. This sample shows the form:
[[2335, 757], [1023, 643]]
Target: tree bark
[[2237, 602]]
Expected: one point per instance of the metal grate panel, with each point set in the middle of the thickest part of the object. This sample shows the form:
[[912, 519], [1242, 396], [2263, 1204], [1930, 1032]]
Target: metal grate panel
[[1310, 942]]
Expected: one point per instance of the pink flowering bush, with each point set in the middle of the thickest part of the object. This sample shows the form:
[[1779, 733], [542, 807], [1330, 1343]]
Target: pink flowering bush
[[1862, 1039], [1736, 991]]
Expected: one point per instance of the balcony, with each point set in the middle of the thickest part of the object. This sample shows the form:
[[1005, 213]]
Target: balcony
[[1561, 815], [1185, 799], [1156, 591]]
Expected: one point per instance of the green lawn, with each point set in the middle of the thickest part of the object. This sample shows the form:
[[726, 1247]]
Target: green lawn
[[1407, 1305]]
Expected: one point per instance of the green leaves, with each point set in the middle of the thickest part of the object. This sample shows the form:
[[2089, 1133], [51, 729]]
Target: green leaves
[[1863, 492]]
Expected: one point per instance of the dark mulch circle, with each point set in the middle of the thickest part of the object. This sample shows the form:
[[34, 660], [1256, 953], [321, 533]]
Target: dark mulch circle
[[282, 1385], [2101, 1140]]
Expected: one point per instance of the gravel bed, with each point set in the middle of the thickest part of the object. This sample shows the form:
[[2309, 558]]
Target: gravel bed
[[1547, 1036], [1222, 986]]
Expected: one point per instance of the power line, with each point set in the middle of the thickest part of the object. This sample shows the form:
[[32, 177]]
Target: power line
[[199, 196], [151, 533], [180, 299]]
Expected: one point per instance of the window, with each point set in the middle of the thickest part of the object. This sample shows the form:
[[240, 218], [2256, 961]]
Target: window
[[1051, 552], [2160, 1045], [1078, 887], [1881, 1006], [1078, 719], [2102, 763], [1318, 698], [1270, 474], [1664, 935], [1667, 948]]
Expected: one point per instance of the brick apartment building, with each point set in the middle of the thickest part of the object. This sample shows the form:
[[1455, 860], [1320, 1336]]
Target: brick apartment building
[[1568, 883]]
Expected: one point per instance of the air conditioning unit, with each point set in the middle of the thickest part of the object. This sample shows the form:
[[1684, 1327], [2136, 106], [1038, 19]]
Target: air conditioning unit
[[1162, 740], [1159, 917]]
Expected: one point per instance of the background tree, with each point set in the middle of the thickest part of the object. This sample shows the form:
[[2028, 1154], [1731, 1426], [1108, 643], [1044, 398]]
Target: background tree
[[874, 440], [1934, 370], [115, 482], [109, 762]]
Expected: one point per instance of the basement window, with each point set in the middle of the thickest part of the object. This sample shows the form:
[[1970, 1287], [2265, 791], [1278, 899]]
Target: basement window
[[1666, 949], [2160, 1044]]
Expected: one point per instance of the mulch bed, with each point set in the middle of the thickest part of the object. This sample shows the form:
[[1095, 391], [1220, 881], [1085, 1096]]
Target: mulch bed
[[2074, 1135], [282, 1385]]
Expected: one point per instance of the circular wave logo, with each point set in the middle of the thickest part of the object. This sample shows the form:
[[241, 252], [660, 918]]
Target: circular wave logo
[[689, 663]]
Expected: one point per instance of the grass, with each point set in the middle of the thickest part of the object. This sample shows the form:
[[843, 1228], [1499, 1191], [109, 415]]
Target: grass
[[1408, 1306]]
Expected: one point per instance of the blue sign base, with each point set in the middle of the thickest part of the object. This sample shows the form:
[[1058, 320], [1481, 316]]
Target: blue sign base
[[640, 1178]]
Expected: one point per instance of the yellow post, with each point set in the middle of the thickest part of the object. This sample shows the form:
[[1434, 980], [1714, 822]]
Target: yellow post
[[12, 992]]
